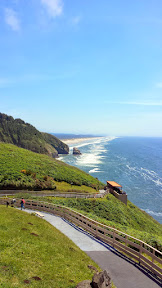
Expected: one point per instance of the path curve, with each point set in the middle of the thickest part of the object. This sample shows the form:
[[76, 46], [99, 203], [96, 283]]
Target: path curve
[[123, 271]]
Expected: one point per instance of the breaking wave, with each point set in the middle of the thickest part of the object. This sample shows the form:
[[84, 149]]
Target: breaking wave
[[159, 214], [135, 163], [95, 170], [149, 175]]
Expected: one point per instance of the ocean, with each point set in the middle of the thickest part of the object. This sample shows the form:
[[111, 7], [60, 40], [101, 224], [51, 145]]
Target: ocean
[[133, 162]]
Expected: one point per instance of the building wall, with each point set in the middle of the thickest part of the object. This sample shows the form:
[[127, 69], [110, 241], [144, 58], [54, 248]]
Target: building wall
[[121, 197]]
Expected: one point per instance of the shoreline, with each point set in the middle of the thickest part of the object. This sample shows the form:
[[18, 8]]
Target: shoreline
[[79, 140]]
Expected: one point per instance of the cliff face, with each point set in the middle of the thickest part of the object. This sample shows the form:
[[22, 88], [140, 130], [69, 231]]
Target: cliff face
[[61, 147], [21, 134]]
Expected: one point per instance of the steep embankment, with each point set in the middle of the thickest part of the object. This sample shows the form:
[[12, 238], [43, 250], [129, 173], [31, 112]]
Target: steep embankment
[[23, 169], [61, 147], [35, 254], [21, 134], [112, 212]]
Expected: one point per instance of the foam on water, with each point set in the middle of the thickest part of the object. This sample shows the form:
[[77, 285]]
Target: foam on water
[[96, 150], [89, 159], [135, 163], [146, 174], [95, 170], [159, 214]]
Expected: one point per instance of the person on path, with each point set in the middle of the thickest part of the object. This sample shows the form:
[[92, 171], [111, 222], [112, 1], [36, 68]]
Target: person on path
[[22, 203], [7, 204], [13, 202]]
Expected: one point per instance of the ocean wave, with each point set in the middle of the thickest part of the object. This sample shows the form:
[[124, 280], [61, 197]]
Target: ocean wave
[[100, 148], [95, 170], [150, 172], [96, 151], [158, 214], [132, 168], [88, 159], [95, 141], [121, 157], [146, 174]]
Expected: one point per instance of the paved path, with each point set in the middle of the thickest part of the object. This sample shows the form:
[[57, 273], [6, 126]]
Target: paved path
[[54, 193], [124, 272]]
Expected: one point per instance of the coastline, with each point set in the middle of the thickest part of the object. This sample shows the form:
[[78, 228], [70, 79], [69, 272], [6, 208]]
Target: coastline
[[79, 140], [117, 160]]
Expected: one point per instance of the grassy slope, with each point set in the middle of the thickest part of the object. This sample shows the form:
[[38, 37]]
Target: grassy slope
[[112, 212], [41, 170], [51, 256]]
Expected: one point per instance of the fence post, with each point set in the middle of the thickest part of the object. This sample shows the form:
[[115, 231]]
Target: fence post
[[126, 240], [96, 231], [140, 252], [113, 238], [153, 254], [63, 210]]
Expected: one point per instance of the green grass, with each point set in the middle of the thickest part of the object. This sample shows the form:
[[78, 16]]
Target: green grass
[[66, 187], [112, 212], [47, 253], [23, 169]]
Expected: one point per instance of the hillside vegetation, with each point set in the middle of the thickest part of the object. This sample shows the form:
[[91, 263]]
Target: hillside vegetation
[[21, 134], [35, 254], [23, 169], [61, 147], [112, 212]]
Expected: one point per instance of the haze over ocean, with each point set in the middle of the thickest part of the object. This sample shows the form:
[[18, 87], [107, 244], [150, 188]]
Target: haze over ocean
[[133, 162]]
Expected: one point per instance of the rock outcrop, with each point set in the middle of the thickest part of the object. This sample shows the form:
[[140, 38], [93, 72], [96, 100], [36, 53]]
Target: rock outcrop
[[99, 280], [76, 151]]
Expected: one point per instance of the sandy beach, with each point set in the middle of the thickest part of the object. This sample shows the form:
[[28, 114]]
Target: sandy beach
[[78, 140]]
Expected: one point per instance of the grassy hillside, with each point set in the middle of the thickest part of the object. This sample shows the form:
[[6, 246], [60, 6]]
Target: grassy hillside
[[23, 169], [112, 212], [35, 254], [21, 134]]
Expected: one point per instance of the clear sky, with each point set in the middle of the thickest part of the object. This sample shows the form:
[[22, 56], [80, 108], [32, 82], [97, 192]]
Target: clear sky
[[83, 66]]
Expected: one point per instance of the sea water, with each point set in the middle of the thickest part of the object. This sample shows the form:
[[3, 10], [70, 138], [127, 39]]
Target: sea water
[[135, 163]]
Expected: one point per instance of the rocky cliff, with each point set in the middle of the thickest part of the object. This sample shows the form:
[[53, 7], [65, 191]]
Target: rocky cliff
[[76, 151], [61, 147]]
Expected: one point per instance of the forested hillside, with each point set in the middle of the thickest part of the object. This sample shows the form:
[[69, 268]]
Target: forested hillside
[[21, 134]]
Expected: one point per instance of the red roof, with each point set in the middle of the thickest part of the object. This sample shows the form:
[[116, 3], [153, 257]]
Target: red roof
[[114, 184]]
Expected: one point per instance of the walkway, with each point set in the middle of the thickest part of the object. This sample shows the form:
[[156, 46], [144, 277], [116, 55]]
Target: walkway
[[54, 193], [124, 272]]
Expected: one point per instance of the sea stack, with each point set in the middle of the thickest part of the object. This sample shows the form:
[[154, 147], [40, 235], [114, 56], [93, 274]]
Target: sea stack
[[76, 151]]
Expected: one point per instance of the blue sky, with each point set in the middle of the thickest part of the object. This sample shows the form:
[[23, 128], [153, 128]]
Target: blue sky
[[83, 66]]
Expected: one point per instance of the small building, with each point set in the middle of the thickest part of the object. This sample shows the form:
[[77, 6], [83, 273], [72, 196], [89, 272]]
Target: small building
[[116, 190]]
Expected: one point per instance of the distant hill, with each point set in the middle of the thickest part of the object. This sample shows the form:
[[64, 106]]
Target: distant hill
[[21, 134], [64, 136]]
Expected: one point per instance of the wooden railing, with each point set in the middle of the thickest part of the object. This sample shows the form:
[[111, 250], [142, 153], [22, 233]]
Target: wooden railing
[[54, 194], [146, 255]]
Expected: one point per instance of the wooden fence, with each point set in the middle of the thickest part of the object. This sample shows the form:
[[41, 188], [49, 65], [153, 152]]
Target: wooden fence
[[139, 251], [54, 194]]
